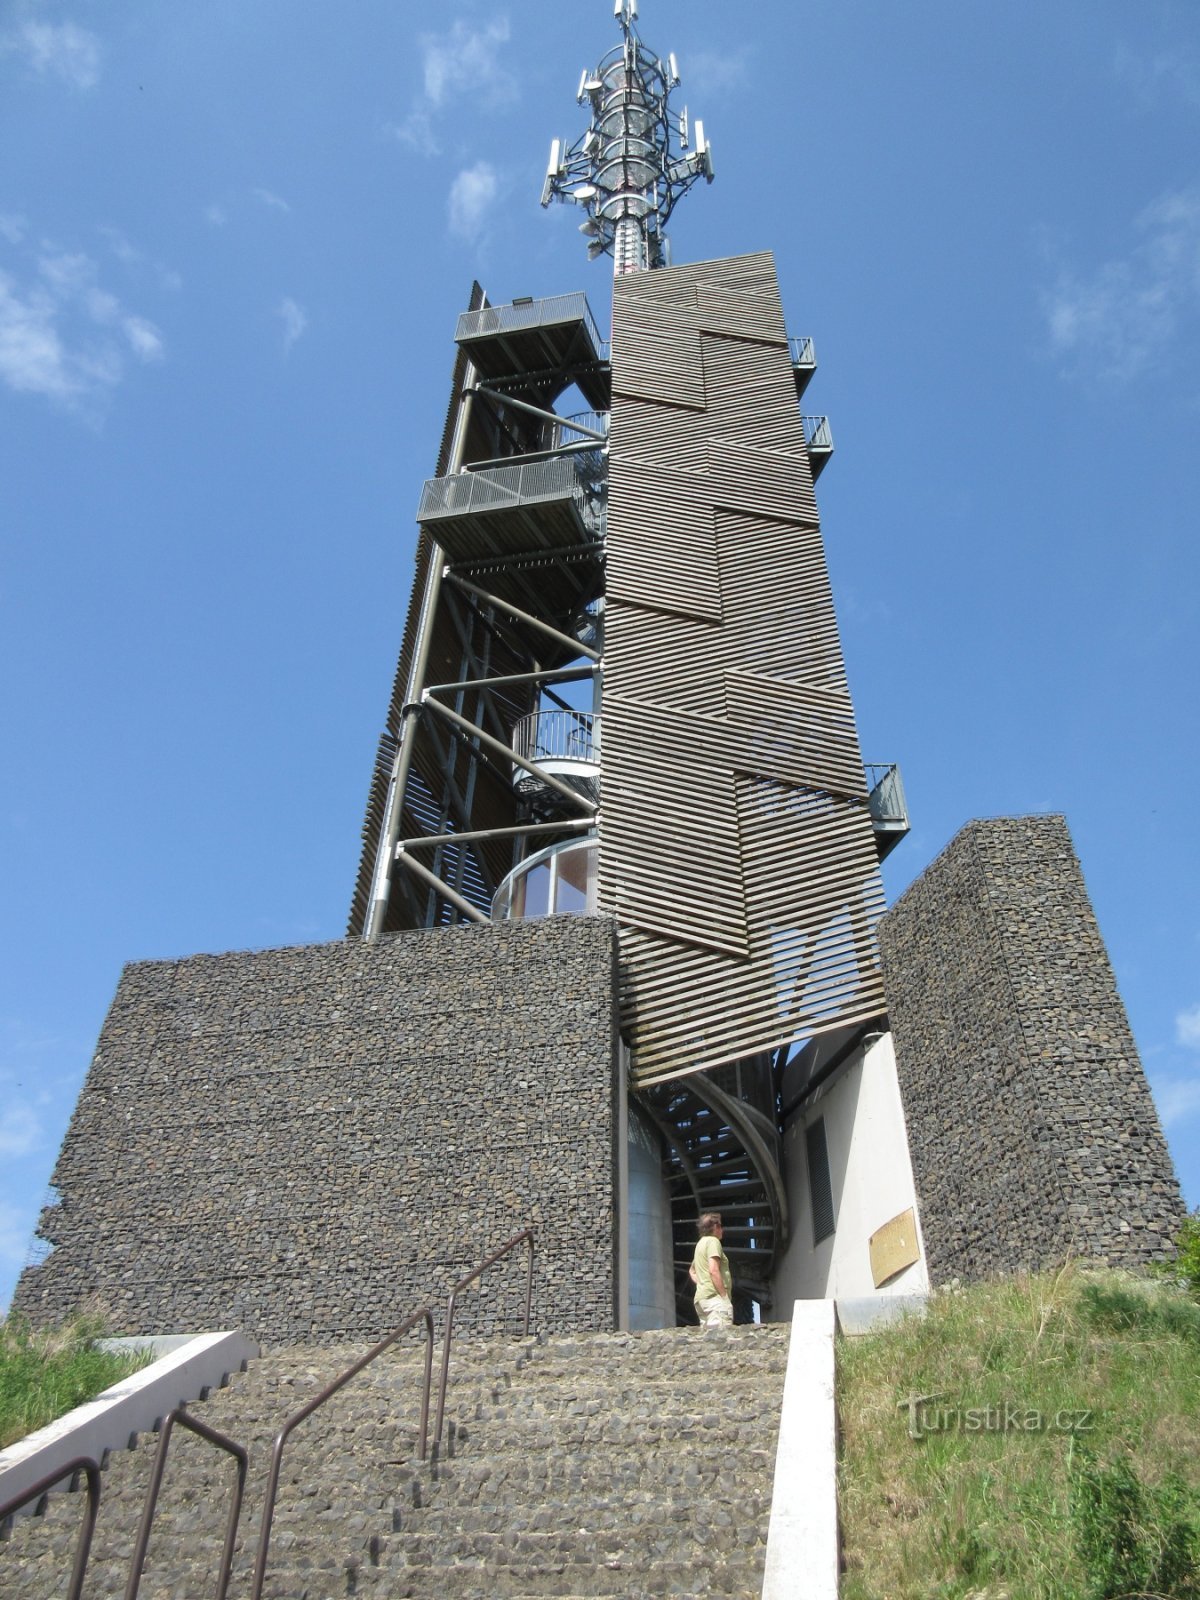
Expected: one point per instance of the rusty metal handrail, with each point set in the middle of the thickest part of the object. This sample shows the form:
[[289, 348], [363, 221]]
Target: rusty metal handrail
[[83, 1549], [330, 1389], [240, 1454], [526, 1234]]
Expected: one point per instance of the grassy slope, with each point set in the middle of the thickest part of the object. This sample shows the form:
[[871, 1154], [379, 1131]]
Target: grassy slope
[[45, 1374], [1026, 1515]]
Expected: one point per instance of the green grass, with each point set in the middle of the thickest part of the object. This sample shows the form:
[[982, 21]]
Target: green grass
[[46, 1372], [1087, 1487]]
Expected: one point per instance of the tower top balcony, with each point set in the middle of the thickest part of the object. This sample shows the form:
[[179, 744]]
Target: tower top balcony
[[540, 341]]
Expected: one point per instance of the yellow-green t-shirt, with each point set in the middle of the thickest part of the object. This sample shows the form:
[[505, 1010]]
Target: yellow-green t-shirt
[[709, 1249]]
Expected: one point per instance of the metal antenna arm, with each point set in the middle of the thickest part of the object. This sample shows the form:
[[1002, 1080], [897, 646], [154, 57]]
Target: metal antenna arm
[[633, 165]]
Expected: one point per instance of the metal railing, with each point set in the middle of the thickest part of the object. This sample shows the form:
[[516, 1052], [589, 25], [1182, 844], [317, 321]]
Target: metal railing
[[241, 1457], [83, 1549], [526, 1235], [507, 488], [558, 736], [804, 352], [526, 314], [816, 433], [565, 432], [91, 1469], [885, 794], [330, 1389]]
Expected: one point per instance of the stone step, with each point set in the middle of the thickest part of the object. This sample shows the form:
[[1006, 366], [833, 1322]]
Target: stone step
[[537, 1548], [613, 1434], [623, 1511], [697, 1579]]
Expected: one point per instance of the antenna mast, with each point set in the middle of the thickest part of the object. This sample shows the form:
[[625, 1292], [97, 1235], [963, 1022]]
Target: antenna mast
[[635, 162]]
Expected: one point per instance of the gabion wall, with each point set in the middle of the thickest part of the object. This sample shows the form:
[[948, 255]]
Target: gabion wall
[[309, 1143], [1032, 1130]]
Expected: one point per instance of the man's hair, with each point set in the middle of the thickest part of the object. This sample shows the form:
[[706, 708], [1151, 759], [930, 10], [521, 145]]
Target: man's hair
[[709, 1223]]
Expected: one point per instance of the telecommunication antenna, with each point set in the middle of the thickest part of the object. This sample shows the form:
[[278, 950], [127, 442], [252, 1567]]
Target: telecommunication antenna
[[635, 162]]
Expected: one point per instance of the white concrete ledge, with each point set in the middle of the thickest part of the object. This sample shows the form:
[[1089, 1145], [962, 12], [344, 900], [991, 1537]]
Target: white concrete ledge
[[802, 1543], [191, 1364], [864, 1313]]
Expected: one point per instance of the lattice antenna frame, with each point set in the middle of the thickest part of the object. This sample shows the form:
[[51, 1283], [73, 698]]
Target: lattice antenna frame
[[636, 161]]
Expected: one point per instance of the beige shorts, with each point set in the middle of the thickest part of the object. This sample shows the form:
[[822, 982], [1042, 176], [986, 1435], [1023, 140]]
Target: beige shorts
[[715, 1312]]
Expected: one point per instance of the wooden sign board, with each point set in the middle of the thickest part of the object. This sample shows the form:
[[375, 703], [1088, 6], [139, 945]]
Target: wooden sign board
[[894, 1247]]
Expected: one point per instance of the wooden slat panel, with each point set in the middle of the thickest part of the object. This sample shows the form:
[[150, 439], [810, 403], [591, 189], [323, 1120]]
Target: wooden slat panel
[[662, 547], [751, 394], [795, 732], [742, 694], [722, 308], [657, 353], [667, 436], [659, 653], [777, 569], [669, 826], [763, 482]]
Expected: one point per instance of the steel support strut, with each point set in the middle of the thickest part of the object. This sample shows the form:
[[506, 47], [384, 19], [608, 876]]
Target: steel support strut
[[397, 788]]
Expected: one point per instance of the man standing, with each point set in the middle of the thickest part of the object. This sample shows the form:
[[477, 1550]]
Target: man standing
[[711, 1275]]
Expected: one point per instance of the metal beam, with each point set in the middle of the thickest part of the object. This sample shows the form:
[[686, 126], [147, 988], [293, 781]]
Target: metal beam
[[550, 675], [571, 825], [536, 411], [441, 887], [523, 616], [507, 750]]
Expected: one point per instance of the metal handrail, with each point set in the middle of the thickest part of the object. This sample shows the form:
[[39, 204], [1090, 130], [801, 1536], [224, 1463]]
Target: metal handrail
[[526, 1235], [330, 1389], [240, 1454], [885, 793], [817, 435], [559, 735], [803, 351], [83, 1549]]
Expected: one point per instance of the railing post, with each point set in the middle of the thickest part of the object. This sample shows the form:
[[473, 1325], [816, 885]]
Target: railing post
[[330, 1389], [211, 1436], [83, 1548], [526, 1235]]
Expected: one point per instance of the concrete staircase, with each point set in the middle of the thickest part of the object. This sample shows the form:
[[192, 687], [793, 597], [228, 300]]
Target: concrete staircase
[[608, 1464]]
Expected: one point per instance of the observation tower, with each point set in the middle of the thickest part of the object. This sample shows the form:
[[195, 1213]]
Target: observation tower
[[617, 955], [621, 688]]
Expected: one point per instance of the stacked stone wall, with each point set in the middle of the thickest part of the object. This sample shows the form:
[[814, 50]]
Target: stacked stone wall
[[1032, 1130], [309, 1143]]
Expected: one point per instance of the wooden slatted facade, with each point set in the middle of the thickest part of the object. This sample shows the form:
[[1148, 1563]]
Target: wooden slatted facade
[[737, 851]]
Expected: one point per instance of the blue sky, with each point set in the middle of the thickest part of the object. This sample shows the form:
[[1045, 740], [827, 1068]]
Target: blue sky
[[233, 241]]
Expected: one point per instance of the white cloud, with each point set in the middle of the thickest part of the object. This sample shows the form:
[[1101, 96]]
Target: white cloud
[[62, 50], [272, 201], [466, 61], [144, 338], [1127, 316], [216, 216], [12, 227], [65, 336], [472, 194], [32, 357], [1153, 76], [294, 321], [1187, 1028], [416, 131], [20, 1131], [714, 73]]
